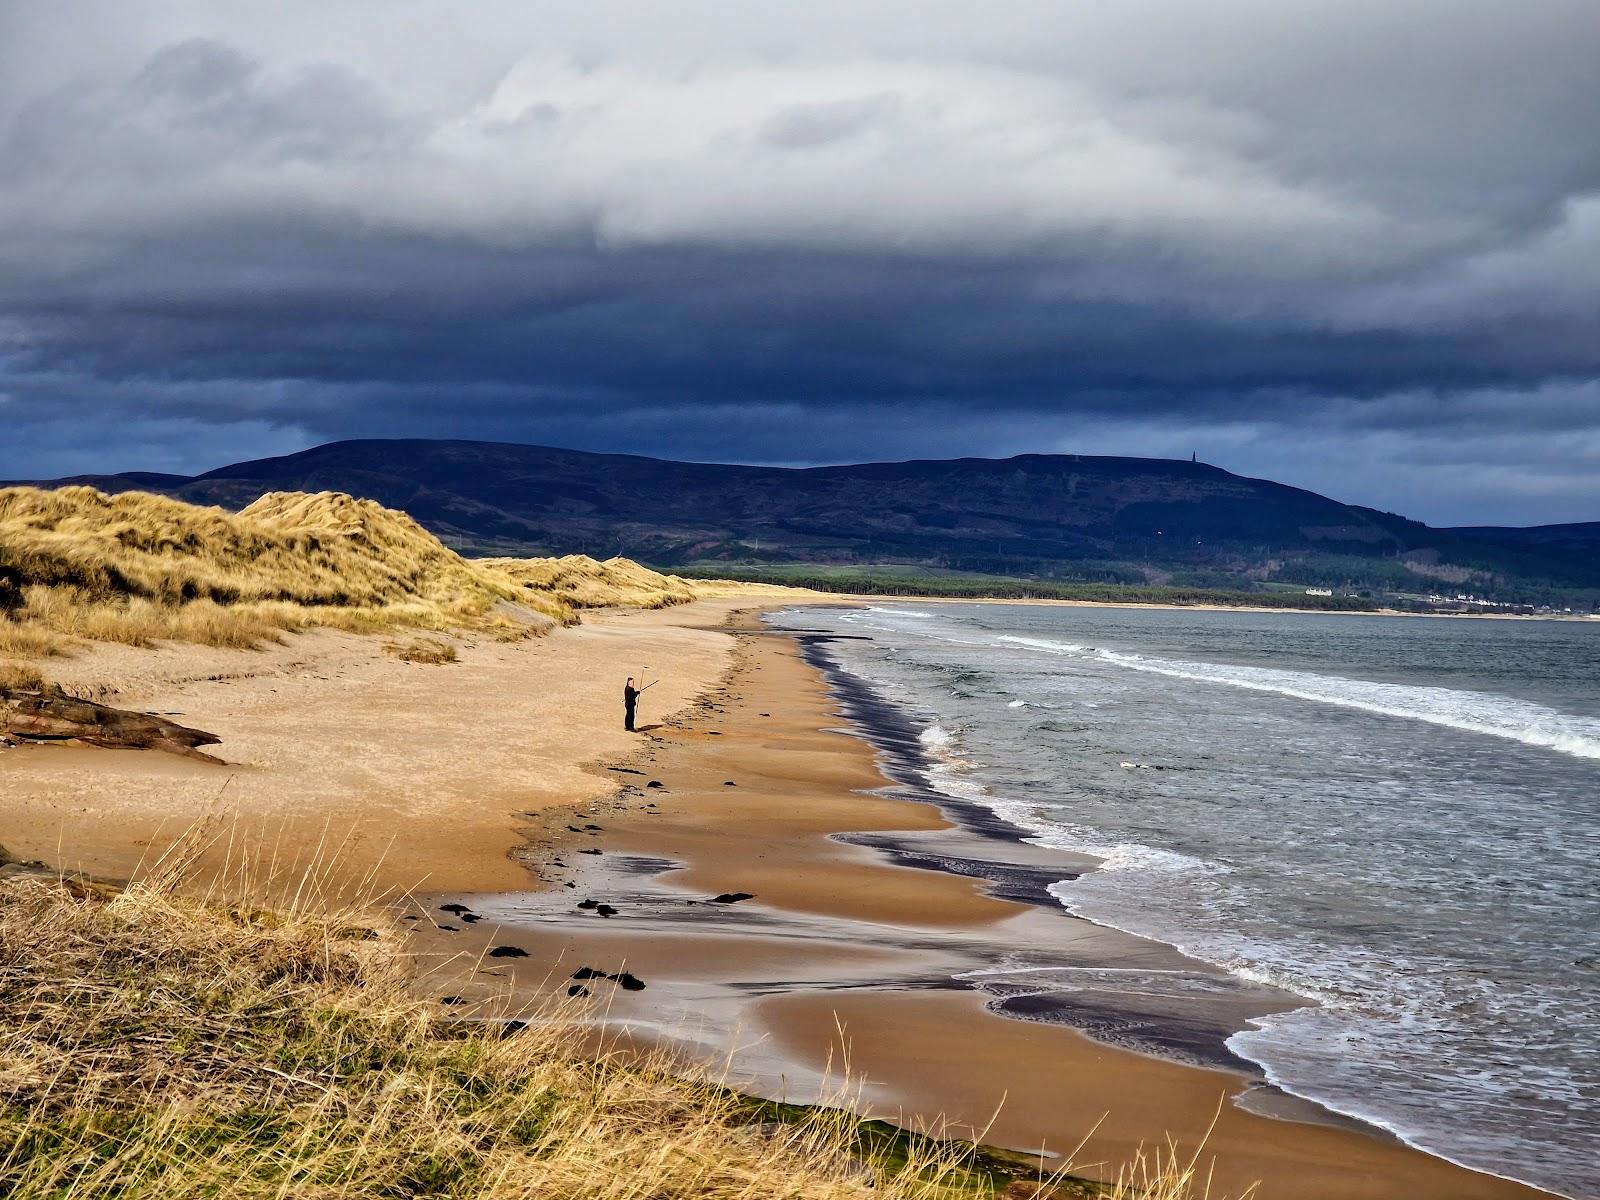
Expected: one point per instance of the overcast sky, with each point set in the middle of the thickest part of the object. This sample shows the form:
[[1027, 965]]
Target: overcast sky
[[1352, 246]]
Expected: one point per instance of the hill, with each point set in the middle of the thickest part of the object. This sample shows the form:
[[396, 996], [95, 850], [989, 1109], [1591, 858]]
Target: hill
[[1580, 539], [1061, 517]]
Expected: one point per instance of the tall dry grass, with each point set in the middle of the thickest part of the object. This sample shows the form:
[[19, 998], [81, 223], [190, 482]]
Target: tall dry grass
[[79, 565], [137, 568], [156, 1044], [76, 564], [583, 582], [318, 551]]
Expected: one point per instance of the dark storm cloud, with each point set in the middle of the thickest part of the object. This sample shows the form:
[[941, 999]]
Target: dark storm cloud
[[1352, 246]]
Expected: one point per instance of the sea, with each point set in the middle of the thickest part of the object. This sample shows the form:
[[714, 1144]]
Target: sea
[[1395, 817]]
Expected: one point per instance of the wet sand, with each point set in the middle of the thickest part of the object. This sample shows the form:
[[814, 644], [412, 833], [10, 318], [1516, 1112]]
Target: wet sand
[[865, 903]]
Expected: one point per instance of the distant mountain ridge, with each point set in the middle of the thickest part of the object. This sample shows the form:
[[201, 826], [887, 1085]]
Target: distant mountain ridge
[[1056, 516], [1578, 537]]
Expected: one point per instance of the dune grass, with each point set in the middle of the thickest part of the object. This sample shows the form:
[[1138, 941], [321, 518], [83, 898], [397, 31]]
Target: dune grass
[[78, 565], [137, 569], [158, 1044], [583, 582]]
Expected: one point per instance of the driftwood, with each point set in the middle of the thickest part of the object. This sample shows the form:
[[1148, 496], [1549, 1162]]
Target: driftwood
[[56, 716]]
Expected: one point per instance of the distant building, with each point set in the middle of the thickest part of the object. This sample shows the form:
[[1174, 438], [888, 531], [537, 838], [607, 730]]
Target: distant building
[[1319, 591]]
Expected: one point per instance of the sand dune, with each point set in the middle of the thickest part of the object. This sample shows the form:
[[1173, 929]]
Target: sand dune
[[582, 582], [78, 566]]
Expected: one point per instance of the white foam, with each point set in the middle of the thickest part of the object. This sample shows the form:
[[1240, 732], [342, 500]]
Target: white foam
[[1472, 712], [1135, 856]]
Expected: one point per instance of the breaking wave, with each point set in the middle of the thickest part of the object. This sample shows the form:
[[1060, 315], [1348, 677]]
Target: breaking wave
[[1473, 712]]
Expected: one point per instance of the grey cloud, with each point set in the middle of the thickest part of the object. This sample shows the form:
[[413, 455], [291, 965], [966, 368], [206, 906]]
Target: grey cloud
[[1328, 232]]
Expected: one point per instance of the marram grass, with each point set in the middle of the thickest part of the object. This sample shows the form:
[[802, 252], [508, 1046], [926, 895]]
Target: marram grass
[[78, 565]]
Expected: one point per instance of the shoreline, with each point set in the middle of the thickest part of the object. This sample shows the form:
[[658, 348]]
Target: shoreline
[[868, 902], [884, 725], [1165, 606], [873, 894]]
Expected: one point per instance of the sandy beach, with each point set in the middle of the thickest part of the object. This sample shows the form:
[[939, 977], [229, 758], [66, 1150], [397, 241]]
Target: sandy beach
[[390, 775], [742, 844]]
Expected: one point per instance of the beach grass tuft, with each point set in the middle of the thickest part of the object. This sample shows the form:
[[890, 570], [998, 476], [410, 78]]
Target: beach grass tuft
[[20, 677], [427, 651]]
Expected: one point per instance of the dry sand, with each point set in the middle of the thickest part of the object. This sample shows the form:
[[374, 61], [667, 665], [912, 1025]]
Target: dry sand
[[412, 775], [443, 771]]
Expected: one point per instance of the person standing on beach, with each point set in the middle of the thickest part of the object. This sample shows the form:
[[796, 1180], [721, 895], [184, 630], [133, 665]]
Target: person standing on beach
[[630, 704]]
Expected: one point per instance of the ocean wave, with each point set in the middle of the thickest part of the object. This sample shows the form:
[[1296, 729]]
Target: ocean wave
[[1472, 712], [940, 745], [1453, 1047], [1307, 1053]]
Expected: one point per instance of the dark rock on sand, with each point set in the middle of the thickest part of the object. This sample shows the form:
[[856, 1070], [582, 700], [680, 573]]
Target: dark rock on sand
[[732, 897], [471, 918], [578, 989], [452, 1000], [729, 783], [594, 850], [458, 909], [626, 980], [448, 928], [508, 952], [588, 904], [605, 910], [655, 783]]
